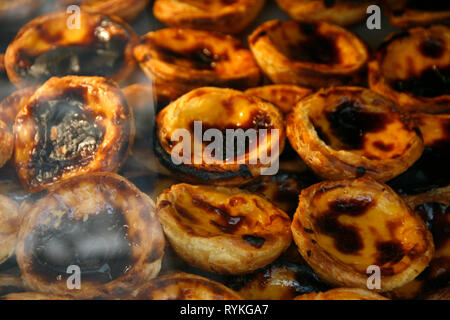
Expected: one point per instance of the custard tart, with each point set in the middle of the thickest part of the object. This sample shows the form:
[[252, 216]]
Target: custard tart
[[185, 286], [284, 96], [99, 223], [309, 54], [340, 12], [223, 230], [348, 132], [71, 126], [229, 16], [185, 59], [46, 47], [434, 208], [9, 227], [281, 280], [343, 294], [343, 227], [125, 9], [431, 170], [413, 69], [409, 13], [219, 136]]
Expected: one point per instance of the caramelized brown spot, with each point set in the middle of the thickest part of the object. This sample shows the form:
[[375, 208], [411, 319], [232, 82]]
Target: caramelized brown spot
[[389, 252], [382, 146], [435, 215], [432, 47], [255, 241]]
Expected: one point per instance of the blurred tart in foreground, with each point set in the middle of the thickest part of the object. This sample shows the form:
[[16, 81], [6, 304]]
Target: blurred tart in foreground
[[223, 230], [343, 227], [229, 16], [348, 132], [413, 69], [219, 136], [71, 126], [340, 12], [186, 59], [9, 227], [46, 47], [99, 223], [11, 11], [184, 286], [409, 13], [125, 9], [309, 54], [342, 294], [33, 296]]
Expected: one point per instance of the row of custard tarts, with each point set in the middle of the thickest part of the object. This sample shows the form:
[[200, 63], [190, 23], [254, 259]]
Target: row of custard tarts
[[340, 227]]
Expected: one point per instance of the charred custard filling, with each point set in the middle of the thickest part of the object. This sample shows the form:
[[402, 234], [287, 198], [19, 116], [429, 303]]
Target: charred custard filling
[[99, 245], [103, 56], [436, 217], [431, 83], [68, 137], [350, 122]]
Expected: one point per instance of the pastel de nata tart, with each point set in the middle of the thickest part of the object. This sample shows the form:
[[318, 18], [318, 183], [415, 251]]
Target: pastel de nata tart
[[343, 227], [184, 286], [99, 222], [431, 170], [47, 47], [340, 12], [71, 126], [434, 208], [223, 230], [342, 294], [281, 280], [413, 69], [348, 132], [9, 227], [6, 143], [186, 59], [125, 9], [308, 54], [33, 296], [219, 136], [11, 283], [283, 188], [408, 13], [443, 294], [284, 96], [229, 16]]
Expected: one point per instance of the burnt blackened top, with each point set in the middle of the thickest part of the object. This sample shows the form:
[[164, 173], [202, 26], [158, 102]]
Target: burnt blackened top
[[68, 136]]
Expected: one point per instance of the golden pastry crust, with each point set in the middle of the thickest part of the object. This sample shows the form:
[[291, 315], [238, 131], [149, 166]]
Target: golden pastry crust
[[412, 69], [185, 59], [223, 230], [11, 105], [343, 227], [339, 12], [221, 109], [231, 16], [6, 143], [184, 286], [47, 47], [99, 222], [308, 54], [9, 227], [94, 132], [348, 132], [125, 9], [284, 96], [434, 208], [342, 294], [409, 13], [33, 296], [18, 9]]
